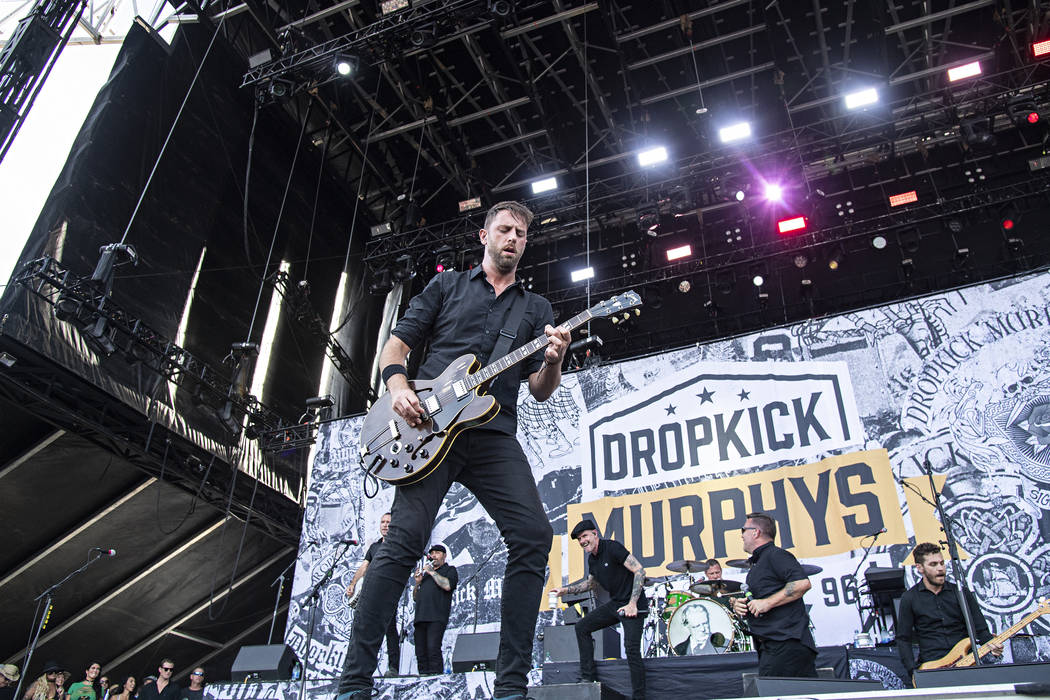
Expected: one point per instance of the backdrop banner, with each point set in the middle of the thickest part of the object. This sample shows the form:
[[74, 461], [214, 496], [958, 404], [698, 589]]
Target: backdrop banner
[[828, 425]]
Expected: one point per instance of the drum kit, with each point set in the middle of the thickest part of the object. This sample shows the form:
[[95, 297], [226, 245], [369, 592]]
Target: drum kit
[[693, 615]]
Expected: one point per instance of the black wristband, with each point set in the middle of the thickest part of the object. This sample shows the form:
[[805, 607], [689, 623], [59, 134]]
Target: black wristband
[[390, 370]]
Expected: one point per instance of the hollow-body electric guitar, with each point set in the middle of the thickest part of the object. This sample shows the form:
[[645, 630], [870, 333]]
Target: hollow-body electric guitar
[[961, 654], [394, 451]]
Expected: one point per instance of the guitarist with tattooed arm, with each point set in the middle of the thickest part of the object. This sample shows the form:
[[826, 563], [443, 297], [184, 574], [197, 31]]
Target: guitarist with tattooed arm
[[617, 571], [485, 312]]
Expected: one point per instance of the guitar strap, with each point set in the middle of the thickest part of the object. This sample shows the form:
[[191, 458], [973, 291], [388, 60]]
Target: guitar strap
[[509, 331]]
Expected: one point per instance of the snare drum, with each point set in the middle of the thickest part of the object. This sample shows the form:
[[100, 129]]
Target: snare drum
[[700, 626], [673, 600]]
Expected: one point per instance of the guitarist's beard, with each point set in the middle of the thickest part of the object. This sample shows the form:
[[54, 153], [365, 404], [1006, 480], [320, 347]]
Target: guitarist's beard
[[505, 265]]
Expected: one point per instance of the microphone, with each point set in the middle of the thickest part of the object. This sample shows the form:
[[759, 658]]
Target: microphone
[[746, 591], [106, 552], [347, 541]]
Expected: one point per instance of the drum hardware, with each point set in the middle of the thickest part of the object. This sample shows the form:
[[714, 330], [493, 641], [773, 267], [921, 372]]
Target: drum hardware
[[687, 566], [717, 587], [807, 569]]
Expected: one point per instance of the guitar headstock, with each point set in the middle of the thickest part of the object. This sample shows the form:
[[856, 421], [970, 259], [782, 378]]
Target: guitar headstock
[[619, 303]]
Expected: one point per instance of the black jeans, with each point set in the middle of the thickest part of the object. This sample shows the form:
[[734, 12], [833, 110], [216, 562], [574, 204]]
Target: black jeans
[[493, 466], [787, 658], [428, 647], [393, 646], [605, 616]]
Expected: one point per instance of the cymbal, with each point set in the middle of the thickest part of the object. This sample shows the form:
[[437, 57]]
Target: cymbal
[[687, 566], [811, 569], [739, 564], [713, 587], [656, 580]]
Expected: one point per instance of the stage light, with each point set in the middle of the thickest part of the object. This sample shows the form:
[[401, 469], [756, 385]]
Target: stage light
[[774, 192], [390, 6], [740, 195], [423, 37], [470, 204], [758, 280], [734, 132], [878, 242], [862, 98], [800, 260], [500, 8], [684, 286], [1041, 48], [977, 132], [381, 283], [582, 274], [897, 200], [544, 185], [1008, 219], [381, 229], [795, 223], [965, 71], [678, 253], [835, 258], [1022, 111], [345, 64], [652, 156], [404, 268], [446, 259]]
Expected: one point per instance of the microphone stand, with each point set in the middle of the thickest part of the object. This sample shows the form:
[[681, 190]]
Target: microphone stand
[[311, 600], [874, 538], [48, 595], [953, 551], [482, 565], [277, 603]]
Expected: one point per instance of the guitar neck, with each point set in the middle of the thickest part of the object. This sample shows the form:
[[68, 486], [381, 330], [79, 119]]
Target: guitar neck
[[512, 358], [1010, 631]]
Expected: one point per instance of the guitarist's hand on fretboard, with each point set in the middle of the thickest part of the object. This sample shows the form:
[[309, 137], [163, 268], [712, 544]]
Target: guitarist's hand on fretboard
[[558, 343]]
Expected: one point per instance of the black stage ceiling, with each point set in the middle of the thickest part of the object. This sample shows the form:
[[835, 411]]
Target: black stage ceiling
[[277, 160]]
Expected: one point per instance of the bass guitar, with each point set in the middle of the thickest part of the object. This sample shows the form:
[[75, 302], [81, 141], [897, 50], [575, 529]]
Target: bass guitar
[[961, 655], [396, 452]]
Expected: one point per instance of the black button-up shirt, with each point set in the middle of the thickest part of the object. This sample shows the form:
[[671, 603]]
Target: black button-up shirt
[[935, 621], [373, 549], [771, 569], [606, 566], [434, 603], [459, 313]]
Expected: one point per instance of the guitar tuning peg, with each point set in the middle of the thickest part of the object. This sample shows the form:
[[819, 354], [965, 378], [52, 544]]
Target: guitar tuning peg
[[614, 320], [627, 316], [637, 312]]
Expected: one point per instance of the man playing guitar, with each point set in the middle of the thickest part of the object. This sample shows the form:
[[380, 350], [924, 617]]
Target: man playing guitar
[[930, 613], [466, 312], [393, 640]]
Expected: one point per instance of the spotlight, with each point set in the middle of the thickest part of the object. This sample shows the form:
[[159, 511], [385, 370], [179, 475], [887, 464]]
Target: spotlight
[[501, 8], [908, 240], [381, 229], [758, 280], [774, 192], [582, 274], [470, 204], [763, 300], [862, 98], [391, 6], [652, 156], [684, 286], [1008, 219], [740, 195], [1041, 48], [1022, 111], [734, 132], [835, 258], [800, 260], [878, 242], [965, 71], [678, 253], [795, 223], [544, 185], [977, 132], [445, 260], [404, 268], [345, 64], [381, 283], [423, 36]]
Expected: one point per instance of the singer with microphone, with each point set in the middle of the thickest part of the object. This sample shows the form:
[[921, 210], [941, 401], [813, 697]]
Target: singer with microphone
[[618, 572], [772, 603], [435, 582]]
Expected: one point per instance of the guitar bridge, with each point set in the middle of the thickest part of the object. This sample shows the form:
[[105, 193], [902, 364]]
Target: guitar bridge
[[394, 432]]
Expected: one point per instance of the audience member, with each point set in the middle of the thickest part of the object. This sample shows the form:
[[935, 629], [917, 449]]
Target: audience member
[[50, 686], [163, 688], [9, 676], [196, 689], [89, 688], [124, 691]]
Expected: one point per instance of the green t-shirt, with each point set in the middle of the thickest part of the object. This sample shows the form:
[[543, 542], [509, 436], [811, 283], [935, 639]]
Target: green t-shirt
[[82, 691]]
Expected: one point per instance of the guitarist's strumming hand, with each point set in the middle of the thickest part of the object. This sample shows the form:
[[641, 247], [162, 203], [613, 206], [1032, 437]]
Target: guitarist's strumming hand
[[404, 401]]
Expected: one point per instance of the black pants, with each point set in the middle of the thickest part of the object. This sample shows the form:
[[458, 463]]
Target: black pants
[[393, 646], [786, 658], [605, 616], [428, 647], [493, 466]]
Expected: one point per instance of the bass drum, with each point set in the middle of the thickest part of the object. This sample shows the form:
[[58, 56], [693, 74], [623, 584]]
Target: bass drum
[[701, 626]]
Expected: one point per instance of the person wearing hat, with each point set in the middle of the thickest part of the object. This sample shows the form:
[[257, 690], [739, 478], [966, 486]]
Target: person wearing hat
[[615, 569], [50, 686], [435, 582], [9, 675]]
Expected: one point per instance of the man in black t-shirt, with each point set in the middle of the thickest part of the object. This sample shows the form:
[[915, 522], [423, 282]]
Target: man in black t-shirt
[[433, 593], [393, 640], [611, 566], [774, 608]]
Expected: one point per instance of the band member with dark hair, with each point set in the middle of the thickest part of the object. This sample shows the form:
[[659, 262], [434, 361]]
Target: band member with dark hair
[[463, 312], [611, 566], [714, 570], [393, 639], [930, 614], [774, 608], [433, 593]]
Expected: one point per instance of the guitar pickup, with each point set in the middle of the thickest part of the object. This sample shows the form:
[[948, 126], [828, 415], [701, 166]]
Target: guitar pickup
[[460, 388], [431, 405], [394, 432]]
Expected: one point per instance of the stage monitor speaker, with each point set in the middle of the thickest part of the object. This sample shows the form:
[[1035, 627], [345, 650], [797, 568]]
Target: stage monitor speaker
[[475, 651], [811, 686], [263, 662], [574, 691], [981, 675], [559, 643]]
